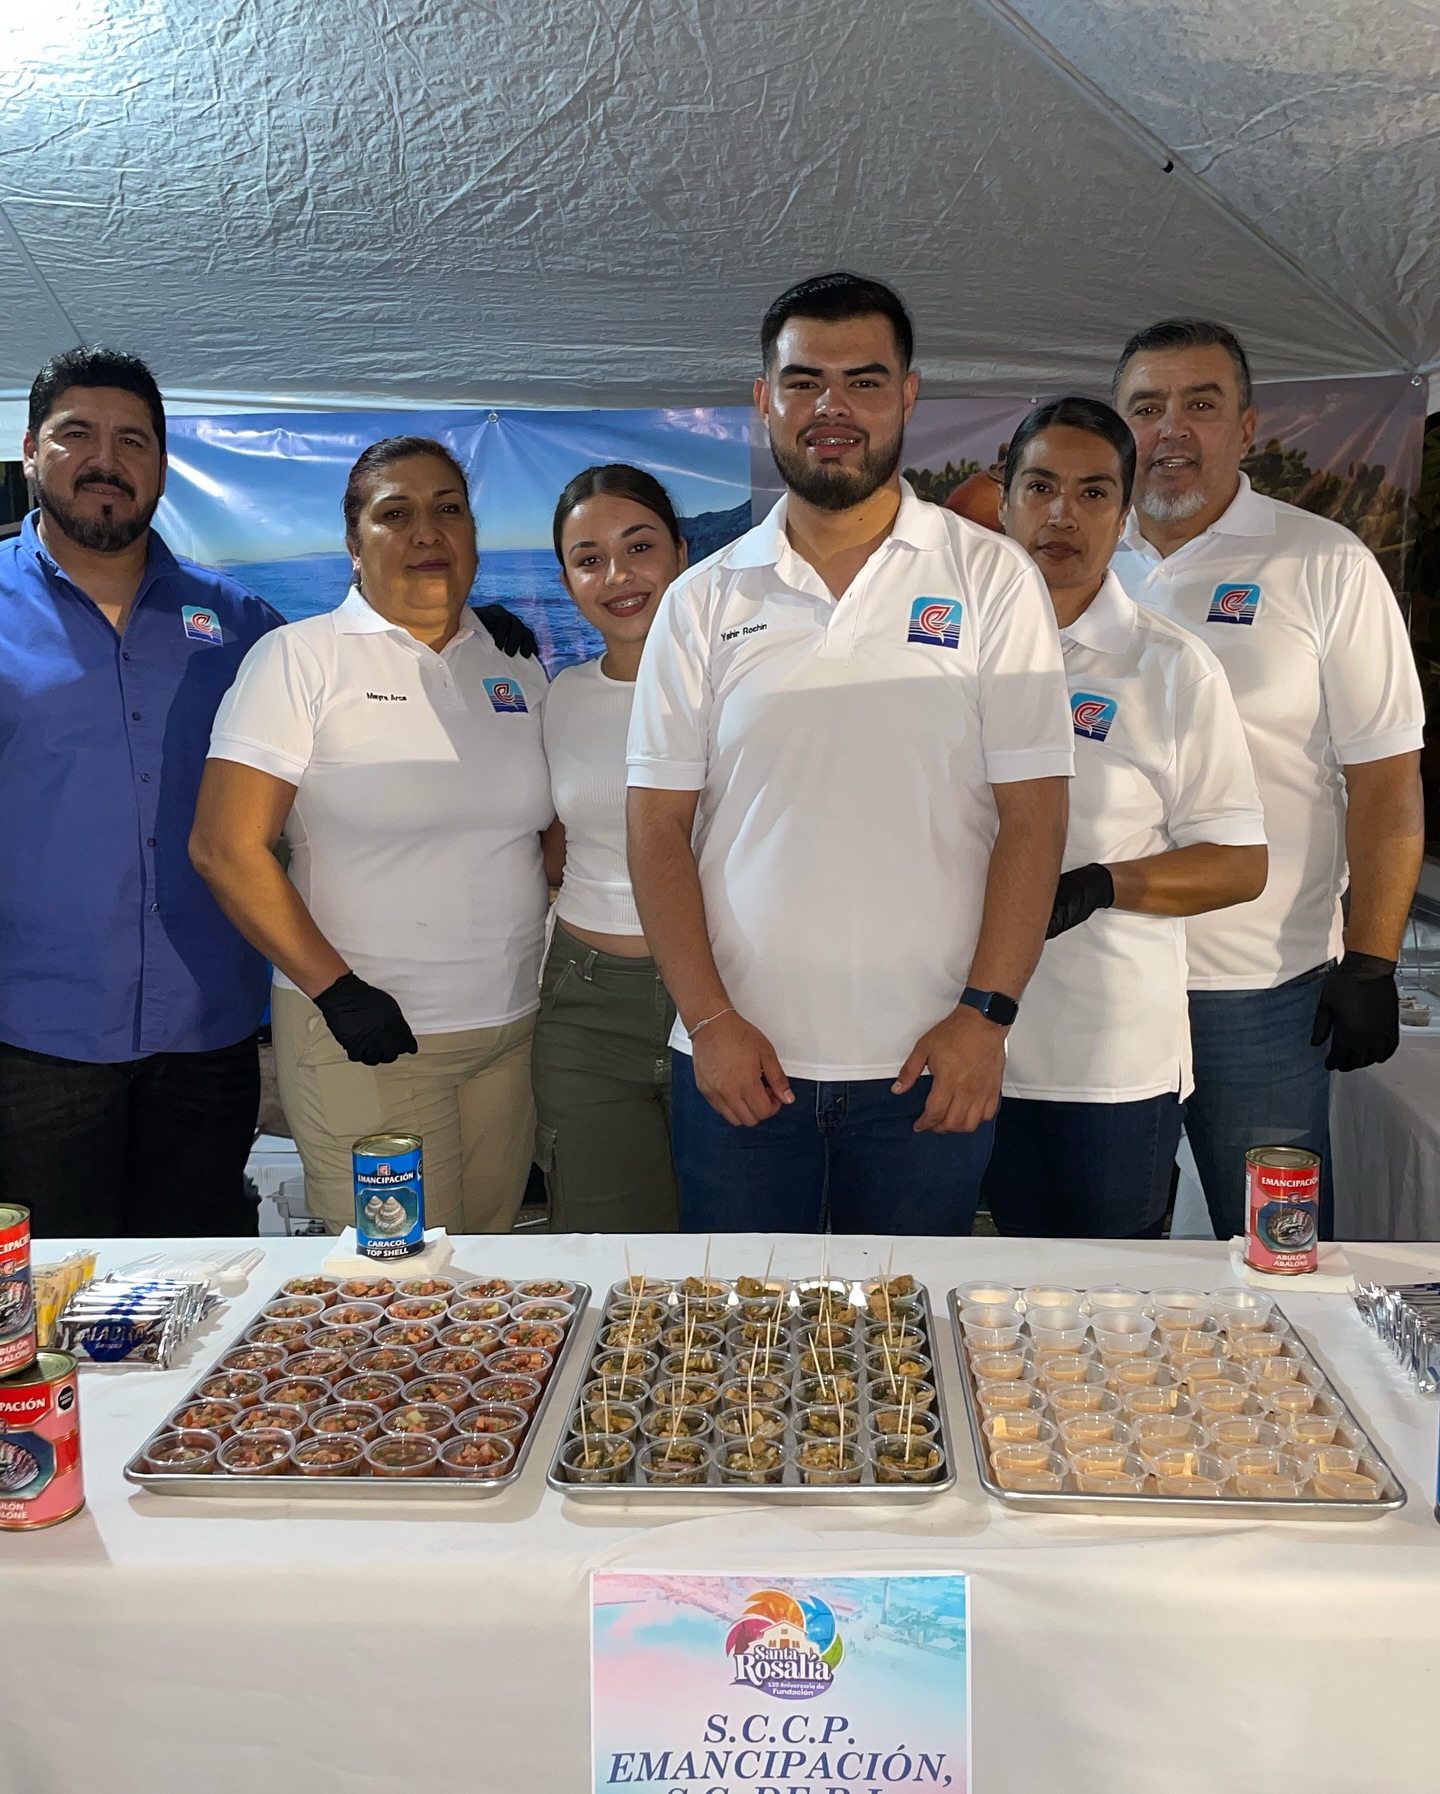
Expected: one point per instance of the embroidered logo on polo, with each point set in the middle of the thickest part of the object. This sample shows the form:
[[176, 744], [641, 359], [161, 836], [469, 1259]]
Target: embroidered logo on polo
[[1234, 604], [504, 694], [1092, 715], [936, 622], [202, 625]]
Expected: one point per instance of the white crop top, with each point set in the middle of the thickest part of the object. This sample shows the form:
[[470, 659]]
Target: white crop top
[[586, 721]]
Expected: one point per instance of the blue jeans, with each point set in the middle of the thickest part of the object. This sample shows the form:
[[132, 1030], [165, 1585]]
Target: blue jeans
[[842, 1158], [1258, 1082], [1083, 1170]]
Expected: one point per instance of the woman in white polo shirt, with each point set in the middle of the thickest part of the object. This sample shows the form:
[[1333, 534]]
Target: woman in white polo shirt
[[1165, 822], [398, 751], [602, 1043]]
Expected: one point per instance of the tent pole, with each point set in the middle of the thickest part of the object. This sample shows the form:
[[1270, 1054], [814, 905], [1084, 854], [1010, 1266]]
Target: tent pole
[[1001, 13], [42, 286]]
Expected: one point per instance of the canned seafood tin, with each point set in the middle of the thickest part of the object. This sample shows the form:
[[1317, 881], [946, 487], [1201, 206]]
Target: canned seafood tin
[[40, 1477], [389, 1195], [17, 1298], [1282, 1209]]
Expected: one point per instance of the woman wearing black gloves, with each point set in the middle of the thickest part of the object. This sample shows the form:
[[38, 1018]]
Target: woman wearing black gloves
[[398, 750], [1165, 822]]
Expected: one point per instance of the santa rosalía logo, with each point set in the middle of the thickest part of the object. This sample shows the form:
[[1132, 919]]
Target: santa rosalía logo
[[1234, 604], [1092, 715], [936, 621], [786, 1647], [504, 694]]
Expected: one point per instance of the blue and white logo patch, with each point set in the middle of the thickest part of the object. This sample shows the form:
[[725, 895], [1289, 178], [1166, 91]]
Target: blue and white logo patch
[[936, 621], [202, 625], [1092, 715], [504, 694], [1234, 604]]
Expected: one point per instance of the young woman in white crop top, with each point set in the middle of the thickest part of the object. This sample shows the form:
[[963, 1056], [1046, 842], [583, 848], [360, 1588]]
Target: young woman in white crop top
[[601, 1062]]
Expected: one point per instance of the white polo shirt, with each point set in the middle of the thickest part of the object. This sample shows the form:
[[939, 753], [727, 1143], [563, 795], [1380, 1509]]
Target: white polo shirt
[[1160, 762], [421, 788], [844, 752], [1314, 646]]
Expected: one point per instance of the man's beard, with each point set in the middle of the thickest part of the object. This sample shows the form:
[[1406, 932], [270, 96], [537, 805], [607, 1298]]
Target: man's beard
[[833, 487], [104, 534], [1173, 507]]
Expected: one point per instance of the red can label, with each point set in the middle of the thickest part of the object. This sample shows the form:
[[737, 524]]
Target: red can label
[[40, 1475], [1282, 1210], [17, 1298]]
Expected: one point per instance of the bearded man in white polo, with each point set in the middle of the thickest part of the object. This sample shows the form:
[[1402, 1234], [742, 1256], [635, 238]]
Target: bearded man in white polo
[[1282, 992], [848, 761]]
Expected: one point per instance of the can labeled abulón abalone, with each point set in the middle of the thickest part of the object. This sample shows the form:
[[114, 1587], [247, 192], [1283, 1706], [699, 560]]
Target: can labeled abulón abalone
[[41, 1482], [1282, 1210], [389, 1195], [18, 1344]]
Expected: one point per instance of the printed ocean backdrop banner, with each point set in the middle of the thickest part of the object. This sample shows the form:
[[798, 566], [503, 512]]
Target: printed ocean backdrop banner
[[747, 1685], [259, 496]]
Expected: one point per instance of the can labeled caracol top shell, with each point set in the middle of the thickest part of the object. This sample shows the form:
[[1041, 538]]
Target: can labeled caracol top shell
[[1282, 1210], [389, 1195], [41, 1482], [17, 1297]]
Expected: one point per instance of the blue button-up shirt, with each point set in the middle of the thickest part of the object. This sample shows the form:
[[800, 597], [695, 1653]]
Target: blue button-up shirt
[[111, 946]]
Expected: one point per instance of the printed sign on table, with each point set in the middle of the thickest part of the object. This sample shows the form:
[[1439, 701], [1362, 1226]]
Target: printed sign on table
[[749, 1685]]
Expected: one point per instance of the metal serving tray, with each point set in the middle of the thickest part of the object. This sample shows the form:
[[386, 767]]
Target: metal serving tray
[[791, 1491], [223, 1486], [1222, 1507]]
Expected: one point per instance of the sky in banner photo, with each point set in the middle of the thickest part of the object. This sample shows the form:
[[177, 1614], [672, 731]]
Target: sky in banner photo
[[259, 496]]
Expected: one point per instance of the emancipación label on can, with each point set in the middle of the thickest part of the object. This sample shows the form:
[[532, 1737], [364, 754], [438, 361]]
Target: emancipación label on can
[[1282, 1210], [389, 1195], [17, 1297], [41, 1481]]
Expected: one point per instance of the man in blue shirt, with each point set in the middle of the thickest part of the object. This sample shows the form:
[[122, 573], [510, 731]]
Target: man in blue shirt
[[129, 1074]]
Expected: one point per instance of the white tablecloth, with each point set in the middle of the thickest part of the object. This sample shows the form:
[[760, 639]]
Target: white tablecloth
[[1385, 1144], [155, 1645]]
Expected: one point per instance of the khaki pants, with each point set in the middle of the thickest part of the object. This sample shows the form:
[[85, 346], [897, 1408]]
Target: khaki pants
[[467, 1095]]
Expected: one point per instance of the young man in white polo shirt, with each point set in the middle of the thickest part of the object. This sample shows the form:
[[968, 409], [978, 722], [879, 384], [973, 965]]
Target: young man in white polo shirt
[[1315, 648], [858, 714]]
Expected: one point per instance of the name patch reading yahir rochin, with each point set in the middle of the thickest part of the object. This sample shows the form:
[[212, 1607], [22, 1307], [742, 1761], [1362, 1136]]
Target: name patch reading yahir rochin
[[734, 635]]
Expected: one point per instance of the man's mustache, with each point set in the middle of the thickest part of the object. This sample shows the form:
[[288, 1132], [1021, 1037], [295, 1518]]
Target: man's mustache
[[106, 479]]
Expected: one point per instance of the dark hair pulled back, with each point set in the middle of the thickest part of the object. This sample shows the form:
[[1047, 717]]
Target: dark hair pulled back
[[386, 453], [615, 479], [1093, 416]]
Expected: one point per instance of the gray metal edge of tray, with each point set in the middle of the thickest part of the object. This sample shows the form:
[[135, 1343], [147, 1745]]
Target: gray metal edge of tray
[[647, 1495], [368, 1488], [1202, 1507]]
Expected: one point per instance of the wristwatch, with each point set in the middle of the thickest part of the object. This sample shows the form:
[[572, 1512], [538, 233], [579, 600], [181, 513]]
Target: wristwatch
[[994, 1005]]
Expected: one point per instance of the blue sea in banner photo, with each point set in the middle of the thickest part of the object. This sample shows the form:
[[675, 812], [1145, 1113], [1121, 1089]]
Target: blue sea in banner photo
[[526, 581]]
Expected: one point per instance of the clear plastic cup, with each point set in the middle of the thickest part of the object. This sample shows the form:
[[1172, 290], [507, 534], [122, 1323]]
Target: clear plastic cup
[[308, 1393], [1047, 1354], [826, 1420], [1288, 1399], [999, 1367], [293, 1335], [892, 1423], [911, 1458], [1237, 1296], [985, 1295], [1237, 1321], [1079, 1430], [479, 1310], [420, 1336], [389, 1360], [518, 1392], [597, 1458], [497, 1420], [1193, 1342], [1113, 1296], [216, 1416], [984, 1316], [1280, 1370], [901, 1392], [1138, 1373], [1345, 1485], [417, 1308], [190, 1451], [821, 1391], [354, 1420], [1272, 1475], [751, 1461], [544, 1308], [1195, 1300], [265, 1451], [364, 1289], [1251, 1347], [1152, 1350], [1028, 1428], [1060, 1339], [331, 1454], [1008, 1398], [428, 1420], [681, 1423], [272, 1415], [1045, 1478], [477, 1457], [913, 1365], [1233, 1433], [427, 1286], [1106, 1457], [454, 1361], [324, 1287], [267, 1359], [737, 1424], [521, 1361], [1104, 1476], [616, 1389], [1084, 1398], [757, 1392], [355, 1314], [674, 1463], [243, 1386], [449, 1392], [1158, 1398], [1067, 1371], [828, 1463], [382, 1388], [402, 1456], [819, 1360], [294, 1308], [622, 1335], [1117, 1328], [1050, 1295], [1020, 1457], [540, 1336], [1307, 1431], [697, 1392], [994, 1339], [1212, 1400], [349, 1340], [1331, 1457], [701, 1361], [678, 1338], [635, 1362], [1165, 1432], [1189, 1473], [618, 1419], [1198, 1373]]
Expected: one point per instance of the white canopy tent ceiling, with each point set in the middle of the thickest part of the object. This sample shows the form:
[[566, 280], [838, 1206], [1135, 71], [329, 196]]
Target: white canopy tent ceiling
[[591, 201]]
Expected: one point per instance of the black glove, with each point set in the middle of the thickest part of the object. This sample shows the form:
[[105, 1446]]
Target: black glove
[[508, 633], [1360, 1003], [1078, 895], [367, 1022]]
